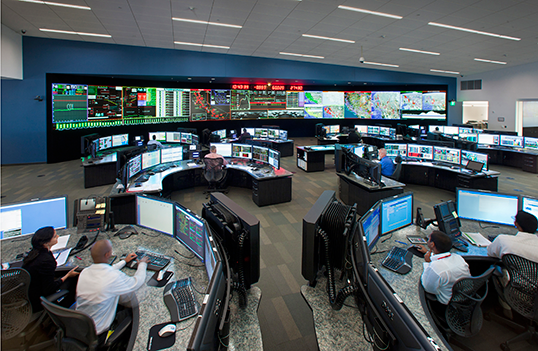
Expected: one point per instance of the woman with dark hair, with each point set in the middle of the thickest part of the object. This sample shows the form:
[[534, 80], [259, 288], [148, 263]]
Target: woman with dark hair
[[41, 265]]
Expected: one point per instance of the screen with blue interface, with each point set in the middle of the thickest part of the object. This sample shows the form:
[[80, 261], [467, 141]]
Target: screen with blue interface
[[511, 141], [423, 152], [151, 158], [155, 214], [474, 156], [465, 130], [370, 226], [445, 154], [396, 212], [105, 143], [26, 218], [529, 204], [283, 134], [394, 150], [134, 165], [469, 137], [190, 230], [373, 130], [531, 143], [221, 133], [120, 140], [188, 138], [223, 149], [486, 207], [172, 154], [384, 131]]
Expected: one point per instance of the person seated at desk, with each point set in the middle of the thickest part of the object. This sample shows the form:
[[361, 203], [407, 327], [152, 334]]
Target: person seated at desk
[[244, 136], [523, 244], [387, 166], [154, 141], [102, 286], [353, 137], [441, 269], [41, 265], [213, 154]]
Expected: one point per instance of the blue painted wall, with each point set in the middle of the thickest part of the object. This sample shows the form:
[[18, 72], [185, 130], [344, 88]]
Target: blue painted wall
[[24, 120]]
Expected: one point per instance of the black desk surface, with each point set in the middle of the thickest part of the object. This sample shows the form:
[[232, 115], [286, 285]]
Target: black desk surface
[[244, 327], [389, 183]]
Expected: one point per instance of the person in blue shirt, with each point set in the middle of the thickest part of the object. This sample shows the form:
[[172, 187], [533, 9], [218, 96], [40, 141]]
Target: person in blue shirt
[[387, 166]]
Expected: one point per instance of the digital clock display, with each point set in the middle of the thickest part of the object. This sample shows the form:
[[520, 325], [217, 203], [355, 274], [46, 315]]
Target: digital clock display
[[278, 87], [240, 86], [296, 87], [260, 87]]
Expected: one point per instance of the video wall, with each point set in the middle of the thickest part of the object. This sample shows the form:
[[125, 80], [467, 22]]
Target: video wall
[[81, 106]]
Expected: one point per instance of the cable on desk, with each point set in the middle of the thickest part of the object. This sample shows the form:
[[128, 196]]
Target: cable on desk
[[191, 265], [488, 226], [390, 236], [151, 236], [176, 251], [188, 326]]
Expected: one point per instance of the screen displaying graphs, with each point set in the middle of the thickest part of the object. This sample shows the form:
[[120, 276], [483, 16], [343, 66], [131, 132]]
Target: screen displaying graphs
[[78, 106]]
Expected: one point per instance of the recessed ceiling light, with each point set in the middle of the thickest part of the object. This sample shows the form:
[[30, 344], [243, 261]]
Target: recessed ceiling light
[[329, 38], [443, 71], [380, 64], [206, 22], [202, 45], [473, 31], [490, 61], [58, 4], [77, 33], [369, 12], [420, 51], [301, 55]]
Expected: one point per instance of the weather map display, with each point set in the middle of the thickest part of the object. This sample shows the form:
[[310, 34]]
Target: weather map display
[[434, 101], [358, 104], [411, 101], [210, 105], [386, 105], [313, 98]]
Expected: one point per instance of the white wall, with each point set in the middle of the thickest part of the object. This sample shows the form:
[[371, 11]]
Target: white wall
[[11, 53], [502, 88]]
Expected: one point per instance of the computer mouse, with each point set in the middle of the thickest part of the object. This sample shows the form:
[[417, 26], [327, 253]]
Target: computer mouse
[[167, 330], [414, 250], [160, 275]]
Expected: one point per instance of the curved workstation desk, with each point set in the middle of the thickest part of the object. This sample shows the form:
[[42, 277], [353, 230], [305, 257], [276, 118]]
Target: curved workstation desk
[[525, 159], [245, 331]]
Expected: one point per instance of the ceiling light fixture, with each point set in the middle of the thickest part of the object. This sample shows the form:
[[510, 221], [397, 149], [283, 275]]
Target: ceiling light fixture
[[300, 55], [329, 38], [421, 52], [77, 33], [58, 4], [473, 31], [349, 8], [443, 71], [202, 45], [380, 64], [206, 22], [490, 61]]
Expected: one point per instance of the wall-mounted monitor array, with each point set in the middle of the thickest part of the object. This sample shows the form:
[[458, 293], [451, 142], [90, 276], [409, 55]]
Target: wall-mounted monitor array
[[80, 106], [249, 152], [174, 137]]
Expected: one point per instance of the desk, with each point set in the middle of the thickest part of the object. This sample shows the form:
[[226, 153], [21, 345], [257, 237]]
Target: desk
[[102, 171], [312, 158], [268, 188], [244, 328], [355, 189], [527, 160], [285, 147]]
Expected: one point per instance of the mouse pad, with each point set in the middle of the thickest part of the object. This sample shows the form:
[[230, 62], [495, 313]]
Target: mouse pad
[[155, 342], [154, 282]]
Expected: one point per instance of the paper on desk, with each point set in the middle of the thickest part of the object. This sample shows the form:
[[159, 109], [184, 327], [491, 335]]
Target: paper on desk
[[191, 164], [62, 256], [477, 239], [61, 244]]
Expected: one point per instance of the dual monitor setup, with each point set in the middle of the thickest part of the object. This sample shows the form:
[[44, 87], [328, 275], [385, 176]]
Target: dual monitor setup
[[151, 159], [362, 129], [256, 133], [249, 152], [174, 137], [358, 160]]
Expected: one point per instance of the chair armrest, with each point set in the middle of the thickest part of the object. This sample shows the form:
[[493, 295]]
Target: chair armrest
[[57, 295], [119, 331], [430, 297]]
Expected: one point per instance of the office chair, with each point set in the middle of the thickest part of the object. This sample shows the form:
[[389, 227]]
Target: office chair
[[76, 330], [152, 147], [398, 170], [215, 174], [521, 294]]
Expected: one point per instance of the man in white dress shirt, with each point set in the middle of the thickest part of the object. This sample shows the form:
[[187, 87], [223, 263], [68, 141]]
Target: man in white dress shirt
[[101, 286]]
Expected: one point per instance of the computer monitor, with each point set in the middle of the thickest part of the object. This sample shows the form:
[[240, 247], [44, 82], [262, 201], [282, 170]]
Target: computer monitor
[[529, 204], [273, 133], [223, 149], [190, 231], [421, 152], [332, 129], [396, 212], [531, 143], [151, 158], [359, 251], [251, 131], [105, 143], [394, 150], [359, 150], [465, 130], [485, 206], [374, 130], [221, 133], [242, 151], [511, 141], [447, 218], [134, 165], [451, 130], [27, 217], [283, 134], [260, 133], [155, 213], [436, 129], [173, 137], [474, 156], [361, 129], [120, 140], [384, 131], [188, 138], [159, 136], [447, 155], [274, 158], [260, 153], [171, 154], [488, 139], [370, 225], [469, 137]]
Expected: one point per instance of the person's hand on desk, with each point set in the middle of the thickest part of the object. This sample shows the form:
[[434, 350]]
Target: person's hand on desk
[[144, 260], [426, 251], [70, 274], [130, 257]]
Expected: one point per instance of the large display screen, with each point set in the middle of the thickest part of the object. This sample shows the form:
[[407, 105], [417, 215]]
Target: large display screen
[[486, 207], [474, 156], [530, 205], [156, 214], [396, 212]]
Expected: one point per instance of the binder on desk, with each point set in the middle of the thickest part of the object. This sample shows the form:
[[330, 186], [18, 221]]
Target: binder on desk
[[477, 239]]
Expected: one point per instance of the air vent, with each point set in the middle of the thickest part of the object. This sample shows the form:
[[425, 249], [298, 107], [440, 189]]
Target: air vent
[[471, 84]]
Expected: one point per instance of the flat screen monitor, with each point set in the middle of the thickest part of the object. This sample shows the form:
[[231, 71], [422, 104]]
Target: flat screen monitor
[[260, 133], [488, 139], [194, 139], [485, 206], [283, 134], [159, 136], [474, 156], [224, 149], [370, 225], [274, 158], [190, 231], [396, 212], [359, 150], [151, 158], [26, 218], [221, 133], [469, 137], [105, 143], [451, 130], [436, 129], [529, 204], [173, 137], [464, 130], [394, 150], [422, 152], [362, 129], [446, 154], [134, 166], [374, 130], [242, 151], [186, 138], [251, 131], [155, 213], [171, 154], [531, 143], [120, 140], [511, 141], [384, 131], [260, 153], [273, 133], [211, 253], [334, 129]]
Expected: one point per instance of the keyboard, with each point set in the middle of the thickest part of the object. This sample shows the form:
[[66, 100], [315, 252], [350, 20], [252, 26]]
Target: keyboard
[[398, 260], [179, 298], [156, 261], [461, 245]]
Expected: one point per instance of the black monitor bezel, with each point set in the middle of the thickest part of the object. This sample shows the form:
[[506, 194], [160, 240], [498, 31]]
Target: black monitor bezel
[[392, 198]]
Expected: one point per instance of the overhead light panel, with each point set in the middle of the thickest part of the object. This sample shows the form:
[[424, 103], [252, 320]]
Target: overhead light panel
[[301, 55], [76, 33], [490, 61], [473, 31], [202, 45], [58, 4], [443, 71], [329, 38], [349, 8], [421, 51], [380, 64], [206, 22]]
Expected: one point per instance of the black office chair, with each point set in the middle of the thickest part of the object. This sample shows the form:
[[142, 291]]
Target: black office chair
[[76, 330], [152, 147], [521, 294], [215, 174], [398, 170]]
